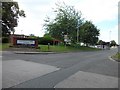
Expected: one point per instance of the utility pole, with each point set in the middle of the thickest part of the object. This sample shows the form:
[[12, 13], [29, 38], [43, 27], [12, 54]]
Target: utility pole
[[78, 35], [78, 23]]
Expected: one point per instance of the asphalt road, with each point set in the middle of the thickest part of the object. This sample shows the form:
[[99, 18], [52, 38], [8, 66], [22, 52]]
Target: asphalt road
[[97, 62]]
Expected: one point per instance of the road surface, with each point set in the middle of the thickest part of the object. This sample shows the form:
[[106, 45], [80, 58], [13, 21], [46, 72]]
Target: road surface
[[68, 70]]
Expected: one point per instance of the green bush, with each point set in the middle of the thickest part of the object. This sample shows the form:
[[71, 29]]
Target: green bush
[[5, 40], [45, 40], [75, 45]]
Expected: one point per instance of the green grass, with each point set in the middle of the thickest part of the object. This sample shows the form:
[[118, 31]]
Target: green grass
[[4, 46], [116, 57], [44, 48], [65, 49]]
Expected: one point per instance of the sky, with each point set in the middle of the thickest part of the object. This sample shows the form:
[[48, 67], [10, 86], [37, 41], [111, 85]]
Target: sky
[[102, 13]]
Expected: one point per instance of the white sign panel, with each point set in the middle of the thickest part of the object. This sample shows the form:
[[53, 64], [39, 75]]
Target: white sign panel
[[25, 42]]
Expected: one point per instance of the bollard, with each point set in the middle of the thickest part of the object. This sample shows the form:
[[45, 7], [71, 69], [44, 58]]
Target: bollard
[[48, 46]]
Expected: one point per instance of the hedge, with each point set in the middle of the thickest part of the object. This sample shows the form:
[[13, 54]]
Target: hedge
[[45, 40], [5, 39]]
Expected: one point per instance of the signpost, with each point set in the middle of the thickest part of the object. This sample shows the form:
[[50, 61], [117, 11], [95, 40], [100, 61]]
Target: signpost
[[65, 39]]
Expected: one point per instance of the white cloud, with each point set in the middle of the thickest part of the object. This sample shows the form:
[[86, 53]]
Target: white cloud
[[98, 10], [29, 26]]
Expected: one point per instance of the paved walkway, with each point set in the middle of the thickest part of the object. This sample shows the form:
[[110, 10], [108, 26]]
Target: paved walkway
[[88, 80], [17, 71]]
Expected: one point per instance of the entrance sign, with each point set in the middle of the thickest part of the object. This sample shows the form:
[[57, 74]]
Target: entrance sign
[[25, 41], [65, 38]]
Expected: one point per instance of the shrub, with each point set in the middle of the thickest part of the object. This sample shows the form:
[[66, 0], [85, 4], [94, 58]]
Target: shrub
[[5, 40], [45, 40]]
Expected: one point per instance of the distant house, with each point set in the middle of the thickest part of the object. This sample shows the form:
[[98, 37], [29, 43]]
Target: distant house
[[56, 42], [104, 45]]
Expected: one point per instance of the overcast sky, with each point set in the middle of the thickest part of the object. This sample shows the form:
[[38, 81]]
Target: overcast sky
[[103, 13]]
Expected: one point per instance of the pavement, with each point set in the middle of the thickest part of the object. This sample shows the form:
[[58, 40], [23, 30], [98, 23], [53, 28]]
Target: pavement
[[60, 70], [19, 71], [88, 80]]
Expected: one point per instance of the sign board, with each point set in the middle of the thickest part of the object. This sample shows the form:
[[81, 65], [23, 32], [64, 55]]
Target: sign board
[[65, 40], [65, 36], [26, 42]]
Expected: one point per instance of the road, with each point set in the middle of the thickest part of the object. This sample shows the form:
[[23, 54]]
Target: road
[[65, 67]]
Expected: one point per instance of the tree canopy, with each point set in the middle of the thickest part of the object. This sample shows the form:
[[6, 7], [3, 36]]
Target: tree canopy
[[113, 43], [10, 15], [89, 33], [69, 21], [65, 23]]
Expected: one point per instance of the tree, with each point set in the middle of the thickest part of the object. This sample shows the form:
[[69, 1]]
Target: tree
[[113, 43], [66, 22], [100, 42], [89, 33], [32, 35], [10, 15]]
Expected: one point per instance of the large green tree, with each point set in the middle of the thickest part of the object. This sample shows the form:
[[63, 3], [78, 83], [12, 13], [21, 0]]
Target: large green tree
[[100, 42], [10, 15], [66, 22], [113, 43], [89, 33]]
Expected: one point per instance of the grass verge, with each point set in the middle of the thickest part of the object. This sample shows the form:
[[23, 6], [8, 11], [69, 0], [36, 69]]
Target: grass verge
[[4, 46], [44, 48], [116, 57]]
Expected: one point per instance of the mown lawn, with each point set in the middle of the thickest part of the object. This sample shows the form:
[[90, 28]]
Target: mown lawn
[[44, 48], [64, 49], [4, 46]]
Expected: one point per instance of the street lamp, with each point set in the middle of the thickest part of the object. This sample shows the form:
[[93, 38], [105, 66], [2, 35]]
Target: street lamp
[[65, 39], [77, 34], [78, 25]]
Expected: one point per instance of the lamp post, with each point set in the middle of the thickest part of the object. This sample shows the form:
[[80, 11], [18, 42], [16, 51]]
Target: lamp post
[[77, 35], [65, 39], [78, 25], [77, 30]]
